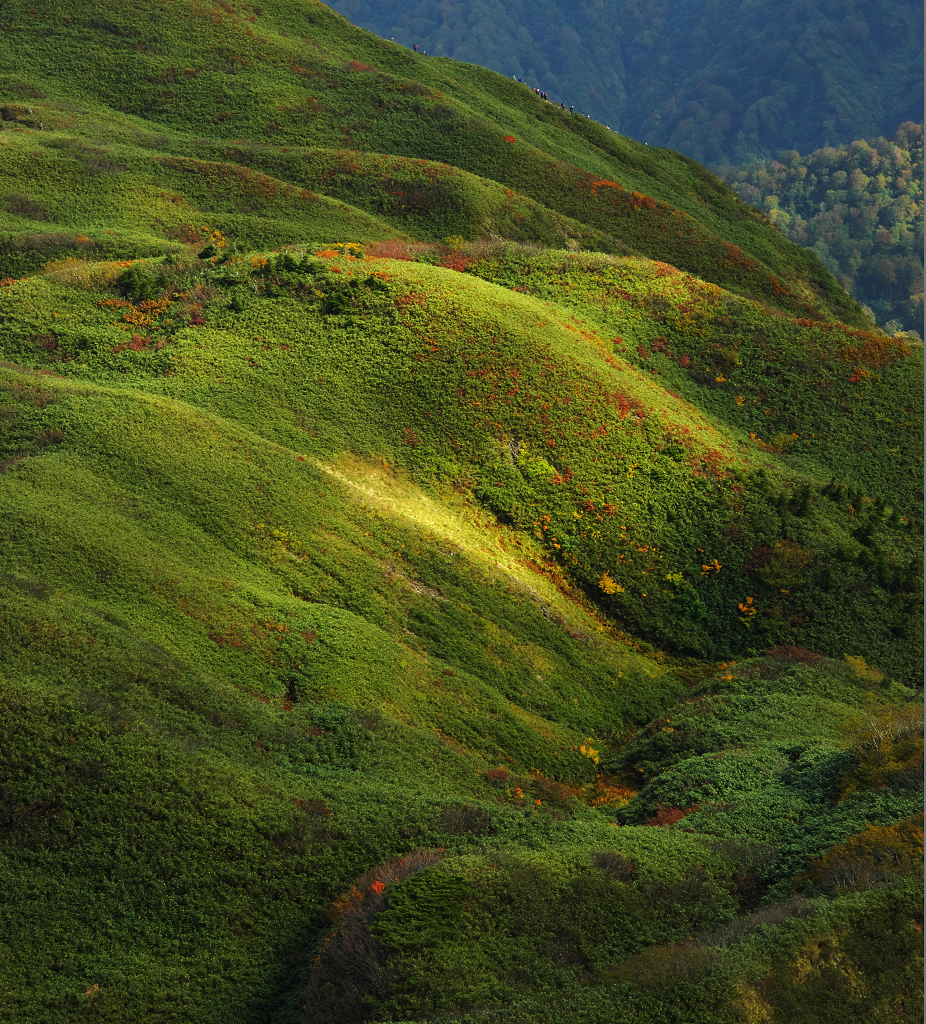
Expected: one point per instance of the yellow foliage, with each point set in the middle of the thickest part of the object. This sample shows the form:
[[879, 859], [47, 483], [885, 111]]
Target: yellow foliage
[[589, 751], [782, 442], [608, 793], [887, 747], [608, 585], [869, 672], [352, 250], [84, 274]]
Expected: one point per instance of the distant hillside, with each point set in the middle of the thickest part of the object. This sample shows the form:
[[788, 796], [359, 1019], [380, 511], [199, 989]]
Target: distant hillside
[[860, 208], [722, 82]]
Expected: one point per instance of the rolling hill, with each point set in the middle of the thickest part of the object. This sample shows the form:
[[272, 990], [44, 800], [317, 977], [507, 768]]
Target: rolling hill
[[723, 82], [458, 564]]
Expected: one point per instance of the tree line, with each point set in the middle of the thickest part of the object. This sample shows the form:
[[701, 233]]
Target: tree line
[[860, 207]]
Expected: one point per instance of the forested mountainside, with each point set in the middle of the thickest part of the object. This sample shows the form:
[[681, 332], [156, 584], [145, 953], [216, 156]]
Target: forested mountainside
[[721, 81], [860, 207], [458, 563]]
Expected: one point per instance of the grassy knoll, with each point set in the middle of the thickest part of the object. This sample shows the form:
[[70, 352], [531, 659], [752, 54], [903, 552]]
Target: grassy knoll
[[405, 617]]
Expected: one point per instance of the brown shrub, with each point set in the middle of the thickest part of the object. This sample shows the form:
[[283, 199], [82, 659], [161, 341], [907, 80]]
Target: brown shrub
[[669, 815], [795, 655], [22, 205], [876, 854], [664, 967], [466, 819], [614, 865], [887, 748], [352, 962]]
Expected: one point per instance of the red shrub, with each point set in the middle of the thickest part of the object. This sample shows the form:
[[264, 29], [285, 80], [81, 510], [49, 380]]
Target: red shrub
[[669, 815], [460, 262]]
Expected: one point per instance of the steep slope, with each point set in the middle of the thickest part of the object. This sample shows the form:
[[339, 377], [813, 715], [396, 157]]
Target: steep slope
[[367, 566], [298, 76], [721, 82]]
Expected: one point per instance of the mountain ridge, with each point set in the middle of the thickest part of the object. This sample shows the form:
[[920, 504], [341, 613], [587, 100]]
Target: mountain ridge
[[725, 83]]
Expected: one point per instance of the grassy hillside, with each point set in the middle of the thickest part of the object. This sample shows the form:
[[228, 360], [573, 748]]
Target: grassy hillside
[[722, 82], [298, 76], [474, 591]]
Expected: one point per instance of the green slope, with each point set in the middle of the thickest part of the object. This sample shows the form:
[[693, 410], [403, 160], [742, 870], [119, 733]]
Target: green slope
[[299, 76], [565, 431], [215, 596], [722, 82], [374, 531]]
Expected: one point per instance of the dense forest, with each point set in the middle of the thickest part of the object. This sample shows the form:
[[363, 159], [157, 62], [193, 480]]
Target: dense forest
[[860, 208], [722, 81], [460, 564]]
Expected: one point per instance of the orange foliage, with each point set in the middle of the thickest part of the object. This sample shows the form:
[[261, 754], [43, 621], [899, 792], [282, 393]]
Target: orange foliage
[[639, 201], [737, 258], [876, 350], [607, 793], [394, 249], [595, 185]]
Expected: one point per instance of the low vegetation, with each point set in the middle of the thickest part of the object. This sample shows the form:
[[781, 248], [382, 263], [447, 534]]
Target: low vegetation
[[430, 595]]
